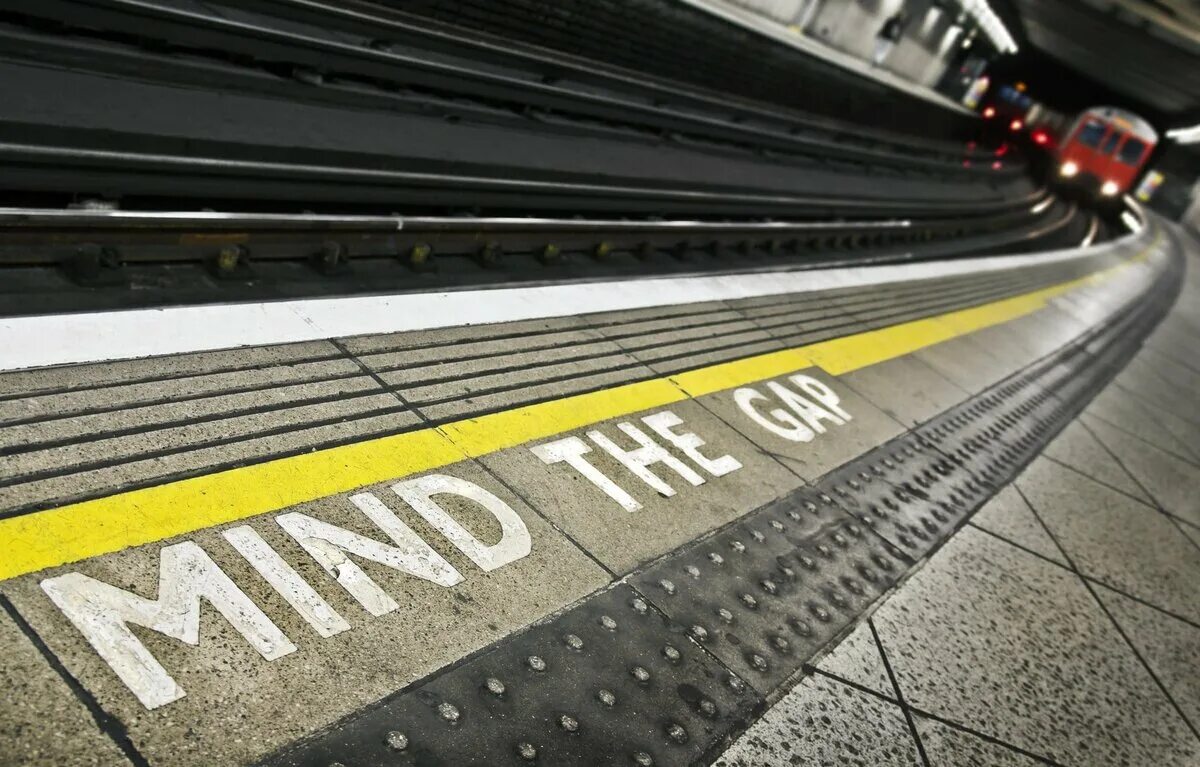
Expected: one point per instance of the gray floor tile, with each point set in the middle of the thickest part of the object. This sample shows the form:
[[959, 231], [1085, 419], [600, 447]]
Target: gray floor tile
[[1077, 447], [101, 450], [1144, 382], [949, 747], [194, 367], [965, 364], [119, 476], [1116, 539], [41, 720], [1174, 484], [825, 722], [1169, 367], [857, 660], [1009, 516], [1170, 339], [1169, 645], [1048, 329], [1182, 430], [1007, 644], [139, 393], [1191, 532], [215, 408], [1116, 407], [1003, 342], [924, 393]]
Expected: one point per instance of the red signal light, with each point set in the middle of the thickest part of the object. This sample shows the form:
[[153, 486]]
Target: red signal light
[[1002, 150], [1040, 137]]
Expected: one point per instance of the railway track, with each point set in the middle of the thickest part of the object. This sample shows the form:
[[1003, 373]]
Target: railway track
[[251, 149], [316, 42], [87, 259], [257, 100]]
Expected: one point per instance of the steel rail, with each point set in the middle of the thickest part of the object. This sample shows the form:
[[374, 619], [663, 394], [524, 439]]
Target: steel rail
[[31, 236], [387, 182], [115, 218], [87, 260]]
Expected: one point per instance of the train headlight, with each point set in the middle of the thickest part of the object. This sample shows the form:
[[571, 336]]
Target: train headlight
[[1109, 188], [1068, 169]]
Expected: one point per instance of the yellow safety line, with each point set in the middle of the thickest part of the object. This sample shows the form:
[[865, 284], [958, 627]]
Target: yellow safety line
[[35, 541]]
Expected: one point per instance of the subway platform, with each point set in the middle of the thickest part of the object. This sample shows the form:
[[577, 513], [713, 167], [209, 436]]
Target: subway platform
[[937, 513], [1060, 625]]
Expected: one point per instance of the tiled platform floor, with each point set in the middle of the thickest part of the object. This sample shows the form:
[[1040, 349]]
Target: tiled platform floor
[[1060, 626]]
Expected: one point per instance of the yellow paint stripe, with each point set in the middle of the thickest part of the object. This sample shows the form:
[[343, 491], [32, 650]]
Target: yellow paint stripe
[[79, 531], [70, 533], [489, 433], [727, 375]]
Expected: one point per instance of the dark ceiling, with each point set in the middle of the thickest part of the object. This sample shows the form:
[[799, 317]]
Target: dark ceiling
[[1143, 54]]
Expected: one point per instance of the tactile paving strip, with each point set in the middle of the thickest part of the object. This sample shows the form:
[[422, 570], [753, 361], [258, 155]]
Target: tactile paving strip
[[881, 491], [995, 435], [767, 592], [920, 487], [609, 681], [667, 667]]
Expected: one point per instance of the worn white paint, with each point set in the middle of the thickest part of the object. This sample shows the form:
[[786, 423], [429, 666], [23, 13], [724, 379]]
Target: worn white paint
[[639, 460], [646, 454], [809, 412], [330, 546], [812, 413], [187, 574], [514, 540], [781, 422], [102, 613], [820, 392], [283, 578], [570, 450], [804, 417], [689, 444]]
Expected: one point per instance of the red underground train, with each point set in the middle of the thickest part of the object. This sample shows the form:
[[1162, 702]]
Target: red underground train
[[1104, 151]]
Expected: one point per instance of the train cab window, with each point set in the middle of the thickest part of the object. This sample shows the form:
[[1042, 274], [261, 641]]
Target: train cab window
[[1131, 151], [1110, 142], [1091, 133]]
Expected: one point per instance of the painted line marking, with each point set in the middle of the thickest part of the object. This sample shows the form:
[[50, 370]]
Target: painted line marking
[[79, 531], [27, 342]]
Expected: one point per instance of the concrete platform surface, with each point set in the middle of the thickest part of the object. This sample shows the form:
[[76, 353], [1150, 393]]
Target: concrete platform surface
[[738, 531]]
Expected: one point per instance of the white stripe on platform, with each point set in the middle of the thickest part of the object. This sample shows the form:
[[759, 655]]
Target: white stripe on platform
[[39, 341]]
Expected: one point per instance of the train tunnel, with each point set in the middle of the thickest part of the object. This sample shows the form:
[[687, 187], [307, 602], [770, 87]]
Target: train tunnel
[[599, 382]]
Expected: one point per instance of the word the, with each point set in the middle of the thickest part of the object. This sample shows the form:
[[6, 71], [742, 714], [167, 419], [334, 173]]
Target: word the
[[639, 460]]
